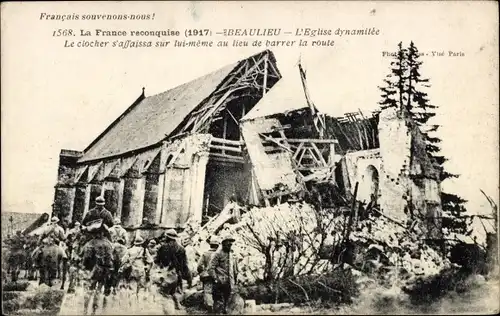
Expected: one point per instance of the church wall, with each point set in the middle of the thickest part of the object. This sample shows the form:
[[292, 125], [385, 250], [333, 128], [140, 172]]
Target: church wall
[[81, 202], [113, 195], [357, 165], [183, 187], [395, 152], [63, 202], [133, 201], [150, 198]]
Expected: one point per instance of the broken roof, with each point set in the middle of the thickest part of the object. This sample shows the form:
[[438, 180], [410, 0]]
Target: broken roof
[[287, 95], [150, 120]]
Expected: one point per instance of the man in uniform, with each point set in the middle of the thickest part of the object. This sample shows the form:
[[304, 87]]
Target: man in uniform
[[118, 232], [98, 213], [139, 261], [172, 257], [204, 275], [224, 272], [119, 252], [55, 232], [97, 256], [53, 235]]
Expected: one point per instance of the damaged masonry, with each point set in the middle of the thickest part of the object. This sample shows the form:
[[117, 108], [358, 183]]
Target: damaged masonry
[[244, 131]]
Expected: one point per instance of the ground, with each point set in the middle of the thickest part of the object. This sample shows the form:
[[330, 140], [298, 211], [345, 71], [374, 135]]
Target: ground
[[482, 298]]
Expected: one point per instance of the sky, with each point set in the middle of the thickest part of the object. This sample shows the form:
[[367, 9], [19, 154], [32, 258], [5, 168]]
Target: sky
[[57, 98]]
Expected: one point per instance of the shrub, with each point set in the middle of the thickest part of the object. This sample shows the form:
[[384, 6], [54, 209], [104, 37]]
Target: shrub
[[10, 295], [335, 287], [47, 299], [10, 306], [430, 290]]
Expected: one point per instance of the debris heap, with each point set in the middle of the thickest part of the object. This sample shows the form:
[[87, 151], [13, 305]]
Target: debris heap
[[288, 232], [292, 239]]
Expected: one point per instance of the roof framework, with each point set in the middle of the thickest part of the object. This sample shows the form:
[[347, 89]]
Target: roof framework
[[250, 74]]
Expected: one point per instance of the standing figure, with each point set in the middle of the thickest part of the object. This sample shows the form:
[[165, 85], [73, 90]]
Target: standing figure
[[224, 271], [97, 256], [205, 278], [139, 261], [53, 235], [117, 231], [119, 252], [172, 258], [100, 217], [153, 248]]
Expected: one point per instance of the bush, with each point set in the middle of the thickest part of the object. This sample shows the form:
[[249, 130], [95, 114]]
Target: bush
[[10, 306], [10, 295], [334, 288], [430, 290], [47, 299]]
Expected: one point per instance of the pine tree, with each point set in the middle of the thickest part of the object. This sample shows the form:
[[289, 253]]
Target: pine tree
[[393, 90], [421, 110], [404, 88]]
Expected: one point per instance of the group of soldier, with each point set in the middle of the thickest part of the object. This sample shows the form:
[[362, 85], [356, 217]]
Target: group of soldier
[[99, 247]]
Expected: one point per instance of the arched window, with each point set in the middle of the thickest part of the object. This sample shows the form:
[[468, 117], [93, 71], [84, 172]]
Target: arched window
[[370, 183]]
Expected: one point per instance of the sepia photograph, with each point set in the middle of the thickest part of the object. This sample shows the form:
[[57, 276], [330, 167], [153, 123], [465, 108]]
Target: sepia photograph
[[250, 158]]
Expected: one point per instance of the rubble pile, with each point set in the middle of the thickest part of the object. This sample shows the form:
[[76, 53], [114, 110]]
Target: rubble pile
[[294, 235], [290, 232], [403, 249]]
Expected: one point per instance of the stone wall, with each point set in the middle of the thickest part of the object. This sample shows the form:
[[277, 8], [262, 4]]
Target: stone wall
[[395, 152], [409, 184], [364, 167], [162, 186]]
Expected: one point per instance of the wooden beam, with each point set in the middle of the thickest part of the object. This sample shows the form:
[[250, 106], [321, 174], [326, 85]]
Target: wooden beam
[[224, 148], [226, 141], [315, 148], [232, 116], [276, 142], [221, 100], [298, 150], [224, 132], [309, 140], [244, 65], [266, 58], [212, 110], [331, 157], [299, 161], [227, 157]]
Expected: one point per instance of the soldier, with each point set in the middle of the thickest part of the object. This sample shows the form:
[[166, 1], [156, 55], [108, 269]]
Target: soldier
[[119, 252], [54, 231], [153, 248], [53, 235], [172, 256], [97, 256], [224, 272], [98, 213], [16, 255], [204, 275], [139, 260], [117, 231]]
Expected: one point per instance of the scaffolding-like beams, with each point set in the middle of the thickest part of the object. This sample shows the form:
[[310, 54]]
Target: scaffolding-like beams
[[251, 73]]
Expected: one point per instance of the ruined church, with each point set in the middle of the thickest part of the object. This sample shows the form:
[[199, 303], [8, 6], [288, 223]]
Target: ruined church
[[242, 131]]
